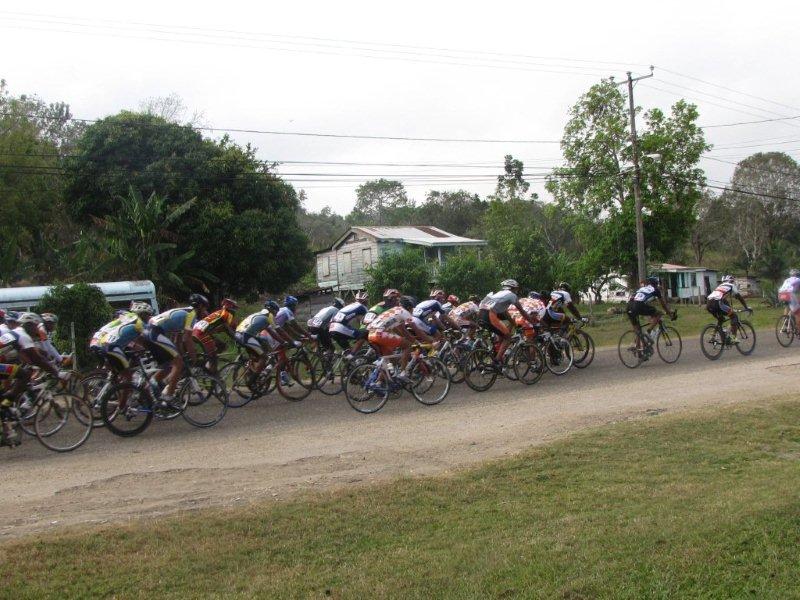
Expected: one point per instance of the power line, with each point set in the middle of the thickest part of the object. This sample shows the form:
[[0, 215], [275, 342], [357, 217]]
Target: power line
[[749, 122], [723, 98]]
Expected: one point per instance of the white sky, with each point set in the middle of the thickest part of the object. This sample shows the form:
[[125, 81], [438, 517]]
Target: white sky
[[240, 79]]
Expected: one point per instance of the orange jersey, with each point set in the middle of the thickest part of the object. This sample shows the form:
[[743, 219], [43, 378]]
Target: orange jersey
[[214, 323]]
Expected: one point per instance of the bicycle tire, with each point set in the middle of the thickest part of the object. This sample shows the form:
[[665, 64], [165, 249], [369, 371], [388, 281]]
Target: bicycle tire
[[235, 375], [565, 354], [784, 330], [745, 347], [362, 385], [330, 380], [480, 362], [429, 370], [586, 348], [669, 338], [82, 430], [528, 363], [93, 384], [628, 351], [203, 391], [114, 419], [300, 379], [454, 367], [712, 341]]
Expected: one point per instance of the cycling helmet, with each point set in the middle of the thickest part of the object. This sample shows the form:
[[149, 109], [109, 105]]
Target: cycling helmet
[[362, 296], [565, 286], [12, 316], [535, 295], [408, 302], [142, 309], [29, 318], [49, 318], [272, 306], [794, 273], [438, 294], [653, 280], [391, 293], [338, 303], [474, 298], [509, 284], [728, 279], [196, 300], [290, 301], [453, 300], [229, 305]]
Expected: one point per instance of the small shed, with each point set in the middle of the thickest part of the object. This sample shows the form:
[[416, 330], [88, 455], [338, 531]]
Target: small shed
[[686, 284], [343, 265], [118, 294]]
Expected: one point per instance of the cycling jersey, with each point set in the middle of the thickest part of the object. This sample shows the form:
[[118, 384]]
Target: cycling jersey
[[390, 319], [374, 312], [535, 308], [323, 317], [789, 292], [213, 323], [344, 319], [724, 291], [427, 308], [4, 328], [119, 332], [559, 298], [646, 293], [465, 313], [256, 323], [14, 341], [498, 302], [175, 320], [792, 284], [284, 315]]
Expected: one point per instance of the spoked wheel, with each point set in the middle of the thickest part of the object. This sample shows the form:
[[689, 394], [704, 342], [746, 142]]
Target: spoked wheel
[[126, 410], [431, 380], [669, 344], [747, 338], [62, 421], [205, 399], [528, 363], [329, 379], [629, 353], [784, 330], [582, 349], [454, 366], [558, 356], [712, 342], [92, 387], [479, 371], [237, 377], [296, 381], [366, 388]]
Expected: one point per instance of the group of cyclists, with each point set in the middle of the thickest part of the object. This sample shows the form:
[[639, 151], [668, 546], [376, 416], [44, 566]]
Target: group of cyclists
[[394, 325]]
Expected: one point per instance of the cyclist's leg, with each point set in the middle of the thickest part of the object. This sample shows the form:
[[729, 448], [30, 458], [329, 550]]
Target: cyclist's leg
[[501, 329]]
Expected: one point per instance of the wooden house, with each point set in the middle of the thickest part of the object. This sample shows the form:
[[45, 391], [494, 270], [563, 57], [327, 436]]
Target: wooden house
[[343, 265]]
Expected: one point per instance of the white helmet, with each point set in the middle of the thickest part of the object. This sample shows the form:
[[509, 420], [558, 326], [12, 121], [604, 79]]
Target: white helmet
[[509, 283], [141, 309], [728, 279], [794, 273], [29, 317], [49, 318]]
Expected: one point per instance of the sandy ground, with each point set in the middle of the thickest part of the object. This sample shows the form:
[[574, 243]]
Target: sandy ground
[[270, 449]]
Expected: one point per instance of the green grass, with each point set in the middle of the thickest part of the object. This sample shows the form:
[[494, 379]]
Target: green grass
[[698, 506], [606, 330]]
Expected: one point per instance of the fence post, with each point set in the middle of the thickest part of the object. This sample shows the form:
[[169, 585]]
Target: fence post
[[72, 343]]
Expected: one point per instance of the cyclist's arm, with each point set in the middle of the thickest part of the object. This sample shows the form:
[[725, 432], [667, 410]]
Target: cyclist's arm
[[524, 313], [574, 310], [741, 299], [36, 358], [418, 333], [188, 344]]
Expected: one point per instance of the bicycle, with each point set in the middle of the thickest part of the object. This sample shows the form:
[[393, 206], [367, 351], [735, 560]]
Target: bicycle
[[556, 350], [519, 362], [368, 386], [786, 330], [582, 344], [637, 346], [715, 338]]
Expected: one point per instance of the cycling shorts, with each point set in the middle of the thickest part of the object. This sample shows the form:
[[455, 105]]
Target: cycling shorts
[[423, 326], [323, 337], [719, 309], [116, 358], [208, 342], [344, 340], [162, 348], [791, 298], [255, 344], [494, 322], [385, 342]]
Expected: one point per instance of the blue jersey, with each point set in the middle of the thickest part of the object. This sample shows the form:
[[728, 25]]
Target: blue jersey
[[256, 323], [647, 293], [120, 332], [175, 320], [349, 312], [558, 298], [284, 315], [426, 308]]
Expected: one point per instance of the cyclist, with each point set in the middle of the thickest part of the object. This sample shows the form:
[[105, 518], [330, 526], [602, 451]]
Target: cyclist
[[560, 298], [8, 321], [17, 344], [641, 305], [789, 292], [450, 304], [429, 315], [391, 298], [206, 331], [464, 315], [395, 328], [113, 339], [177, 322], [319, 323], [533, 304], [253, 334], [719, 304], [289, 331], [343, 327], [45, 337], [493, 314]]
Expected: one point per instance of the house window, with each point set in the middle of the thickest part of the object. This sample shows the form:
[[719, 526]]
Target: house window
[[366, 257], [326, 265], [347, 262], [694, 279]]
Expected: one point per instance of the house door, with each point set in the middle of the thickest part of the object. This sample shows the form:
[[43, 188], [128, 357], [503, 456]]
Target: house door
[[673, 285], [707, 283]]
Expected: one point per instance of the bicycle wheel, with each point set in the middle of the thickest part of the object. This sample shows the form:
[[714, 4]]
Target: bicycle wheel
[[629, 353], [454, 366], [92, 387], [558, 356], [747, 338], [204, 398], [582, 349], [296, 381], [528, 363], [784, 330], [712, 342], [669, 344], [366, 388], [235, 376], [74, 416], [431, 381], [126, 410], [479, 370], [330, 380]]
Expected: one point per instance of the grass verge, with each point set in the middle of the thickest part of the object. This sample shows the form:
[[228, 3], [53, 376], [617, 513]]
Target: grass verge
[[670, 507]]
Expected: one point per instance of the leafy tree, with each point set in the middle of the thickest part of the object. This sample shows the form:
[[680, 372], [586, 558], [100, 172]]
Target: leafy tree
[[597, 181], [456, 212], [511, 185], [466, 273], [83, 305], [405, 270], [323, 227], [381, 202], [710, 228]]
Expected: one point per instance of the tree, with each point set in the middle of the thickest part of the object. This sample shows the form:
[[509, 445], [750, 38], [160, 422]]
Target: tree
[[456, 212], [597, 183], [323, 227], [170, 108], [466, 273], [710, 228], [381, 202], [511, 185], [405, 270]]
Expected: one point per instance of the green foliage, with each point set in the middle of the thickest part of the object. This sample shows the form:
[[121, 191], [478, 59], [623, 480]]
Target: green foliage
[[381, 201], [458, 212], [81, 304], [322, 228], [465, 273], [511, 185], [405, 270]]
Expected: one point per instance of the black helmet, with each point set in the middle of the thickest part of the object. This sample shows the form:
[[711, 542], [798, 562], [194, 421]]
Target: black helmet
[[408, 302], [196, 300], [653, 280], [272, 306], [338, 302], [535, 295]]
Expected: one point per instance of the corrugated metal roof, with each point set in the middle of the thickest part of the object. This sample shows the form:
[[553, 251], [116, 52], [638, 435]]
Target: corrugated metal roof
[[422, 235]]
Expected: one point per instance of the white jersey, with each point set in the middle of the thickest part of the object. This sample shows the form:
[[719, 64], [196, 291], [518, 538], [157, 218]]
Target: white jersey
[[723, 291], [14, 340], [792, 285]]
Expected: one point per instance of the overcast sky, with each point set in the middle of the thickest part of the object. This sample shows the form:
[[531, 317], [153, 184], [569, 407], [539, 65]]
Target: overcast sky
[[464, 70]]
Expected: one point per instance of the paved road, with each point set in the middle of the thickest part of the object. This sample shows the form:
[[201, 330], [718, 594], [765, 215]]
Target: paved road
[[273, 448]]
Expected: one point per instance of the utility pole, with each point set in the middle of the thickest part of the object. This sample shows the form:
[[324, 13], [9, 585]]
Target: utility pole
[[637, 192]]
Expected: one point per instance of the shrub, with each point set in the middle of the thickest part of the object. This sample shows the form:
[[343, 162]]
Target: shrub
[[405, 270], [464, 274], [82, 304]]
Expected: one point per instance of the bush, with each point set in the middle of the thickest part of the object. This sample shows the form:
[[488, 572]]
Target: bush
[[405, 270], [82, 304], [464, 274]]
